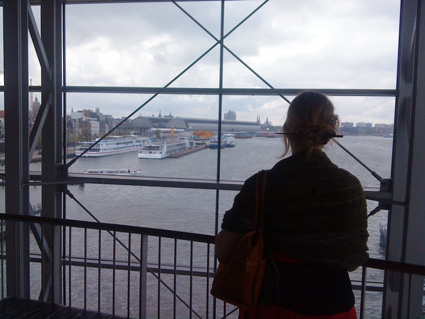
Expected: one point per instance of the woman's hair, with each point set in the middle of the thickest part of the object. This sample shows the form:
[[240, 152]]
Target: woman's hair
[[310, 123]]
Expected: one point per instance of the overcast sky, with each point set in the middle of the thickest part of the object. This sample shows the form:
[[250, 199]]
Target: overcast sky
[[291, 44]]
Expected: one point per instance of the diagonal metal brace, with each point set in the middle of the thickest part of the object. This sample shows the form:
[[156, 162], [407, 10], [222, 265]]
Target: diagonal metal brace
[[41, 242], [38, 44], [38, 124]]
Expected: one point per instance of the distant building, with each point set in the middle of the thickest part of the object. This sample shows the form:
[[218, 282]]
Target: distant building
[[384, 129], [141, 124], [89, 114], [231, 116], [87, 123], [76, 115], [104, 123], [363, 124], [379, 125], [169, 116], [347, 124], [94, 125]]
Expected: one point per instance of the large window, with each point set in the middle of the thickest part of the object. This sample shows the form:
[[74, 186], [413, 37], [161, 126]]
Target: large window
[[194, 71], [156, 70]]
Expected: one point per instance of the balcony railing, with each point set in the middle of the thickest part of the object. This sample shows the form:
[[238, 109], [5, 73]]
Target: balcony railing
[[151, 273]]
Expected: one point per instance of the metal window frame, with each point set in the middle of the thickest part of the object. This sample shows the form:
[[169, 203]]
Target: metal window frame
[[406, 220], [16, 147], [403, 295]]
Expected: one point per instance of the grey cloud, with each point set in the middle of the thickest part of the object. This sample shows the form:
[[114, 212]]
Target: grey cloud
[[292, 44]]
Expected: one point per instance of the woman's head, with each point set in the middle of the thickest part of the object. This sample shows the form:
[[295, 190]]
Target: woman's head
[[310, 123]]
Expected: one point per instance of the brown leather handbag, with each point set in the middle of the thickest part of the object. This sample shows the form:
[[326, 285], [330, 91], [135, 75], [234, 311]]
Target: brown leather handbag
[[239, 280]]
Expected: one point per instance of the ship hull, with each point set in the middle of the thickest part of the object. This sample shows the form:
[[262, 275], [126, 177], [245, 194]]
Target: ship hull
[[164, 149], [110, 146], [106, 153]]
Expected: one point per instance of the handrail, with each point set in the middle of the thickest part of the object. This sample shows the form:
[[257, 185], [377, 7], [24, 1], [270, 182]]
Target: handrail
[[173, 234], [154, 181], [98, 263], [371, 193], [371, 262], [395, 266]]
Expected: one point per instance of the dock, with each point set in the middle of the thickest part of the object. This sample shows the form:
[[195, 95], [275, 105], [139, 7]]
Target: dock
[[189, 151], [37, 157]]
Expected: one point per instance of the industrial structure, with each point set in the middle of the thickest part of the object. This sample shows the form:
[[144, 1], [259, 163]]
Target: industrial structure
[[56, 263], [145, 123]]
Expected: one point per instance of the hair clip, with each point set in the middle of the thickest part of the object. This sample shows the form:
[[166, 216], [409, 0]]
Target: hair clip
[[333, 120]]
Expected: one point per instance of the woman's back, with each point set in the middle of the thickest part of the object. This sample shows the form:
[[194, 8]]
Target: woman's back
[[315, 221], [313, 211]]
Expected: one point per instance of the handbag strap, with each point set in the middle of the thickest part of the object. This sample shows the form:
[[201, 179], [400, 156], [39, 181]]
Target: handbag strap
[[260, 192]]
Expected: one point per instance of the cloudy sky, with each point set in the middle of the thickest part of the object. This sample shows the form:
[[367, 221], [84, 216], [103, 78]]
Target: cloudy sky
[[291, 44]]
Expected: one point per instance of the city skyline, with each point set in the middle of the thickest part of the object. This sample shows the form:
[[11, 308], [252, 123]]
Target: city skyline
[[258, 119], [37, 98]]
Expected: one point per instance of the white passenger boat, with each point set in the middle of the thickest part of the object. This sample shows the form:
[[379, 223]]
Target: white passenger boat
[[111, 145], [109, 171], [164, 148], [226, 141], [230, 141]]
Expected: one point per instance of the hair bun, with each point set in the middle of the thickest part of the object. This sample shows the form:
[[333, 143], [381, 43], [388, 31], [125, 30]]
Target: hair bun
[[315, 134], [310, 122]]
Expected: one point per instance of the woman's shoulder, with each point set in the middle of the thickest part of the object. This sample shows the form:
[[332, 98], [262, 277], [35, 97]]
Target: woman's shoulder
[[317, 166], [250, 182], [346, 175], [286, 163]]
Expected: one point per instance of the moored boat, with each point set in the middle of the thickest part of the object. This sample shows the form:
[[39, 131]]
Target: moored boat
[[109, 171], [267, 134], [164, 148], [244, 135], [226, 141], [111, 145]]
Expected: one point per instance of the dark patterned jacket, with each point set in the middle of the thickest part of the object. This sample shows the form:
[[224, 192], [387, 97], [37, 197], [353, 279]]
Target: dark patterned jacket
[[315, 213], [313, 210]]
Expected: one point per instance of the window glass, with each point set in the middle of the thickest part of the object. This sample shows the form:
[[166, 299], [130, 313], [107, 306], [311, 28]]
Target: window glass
[[320, 44], [156, 207], [138, 45]]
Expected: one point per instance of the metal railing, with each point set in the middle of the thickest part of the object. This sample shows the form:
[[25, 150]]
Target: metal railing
[[142, 272]]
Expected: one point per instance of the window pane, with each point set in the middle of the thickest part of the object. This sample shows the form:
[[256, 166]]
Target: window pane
[[319, 44], [138, 45]]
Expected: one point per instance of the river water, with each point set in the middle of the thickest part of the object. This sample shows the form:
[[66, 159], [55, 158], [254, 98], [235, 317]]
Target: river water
[[169, 208], [194, 210]]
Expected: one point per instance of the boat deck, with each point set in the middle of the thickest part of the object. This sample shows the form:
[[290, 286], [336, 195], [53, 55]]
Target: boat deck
[[189, 151]]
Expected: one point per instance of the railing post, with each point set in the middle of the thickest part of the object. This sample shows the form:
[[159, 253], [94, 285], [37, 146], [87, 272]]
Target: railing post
[[143, 275], [363, 292]]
